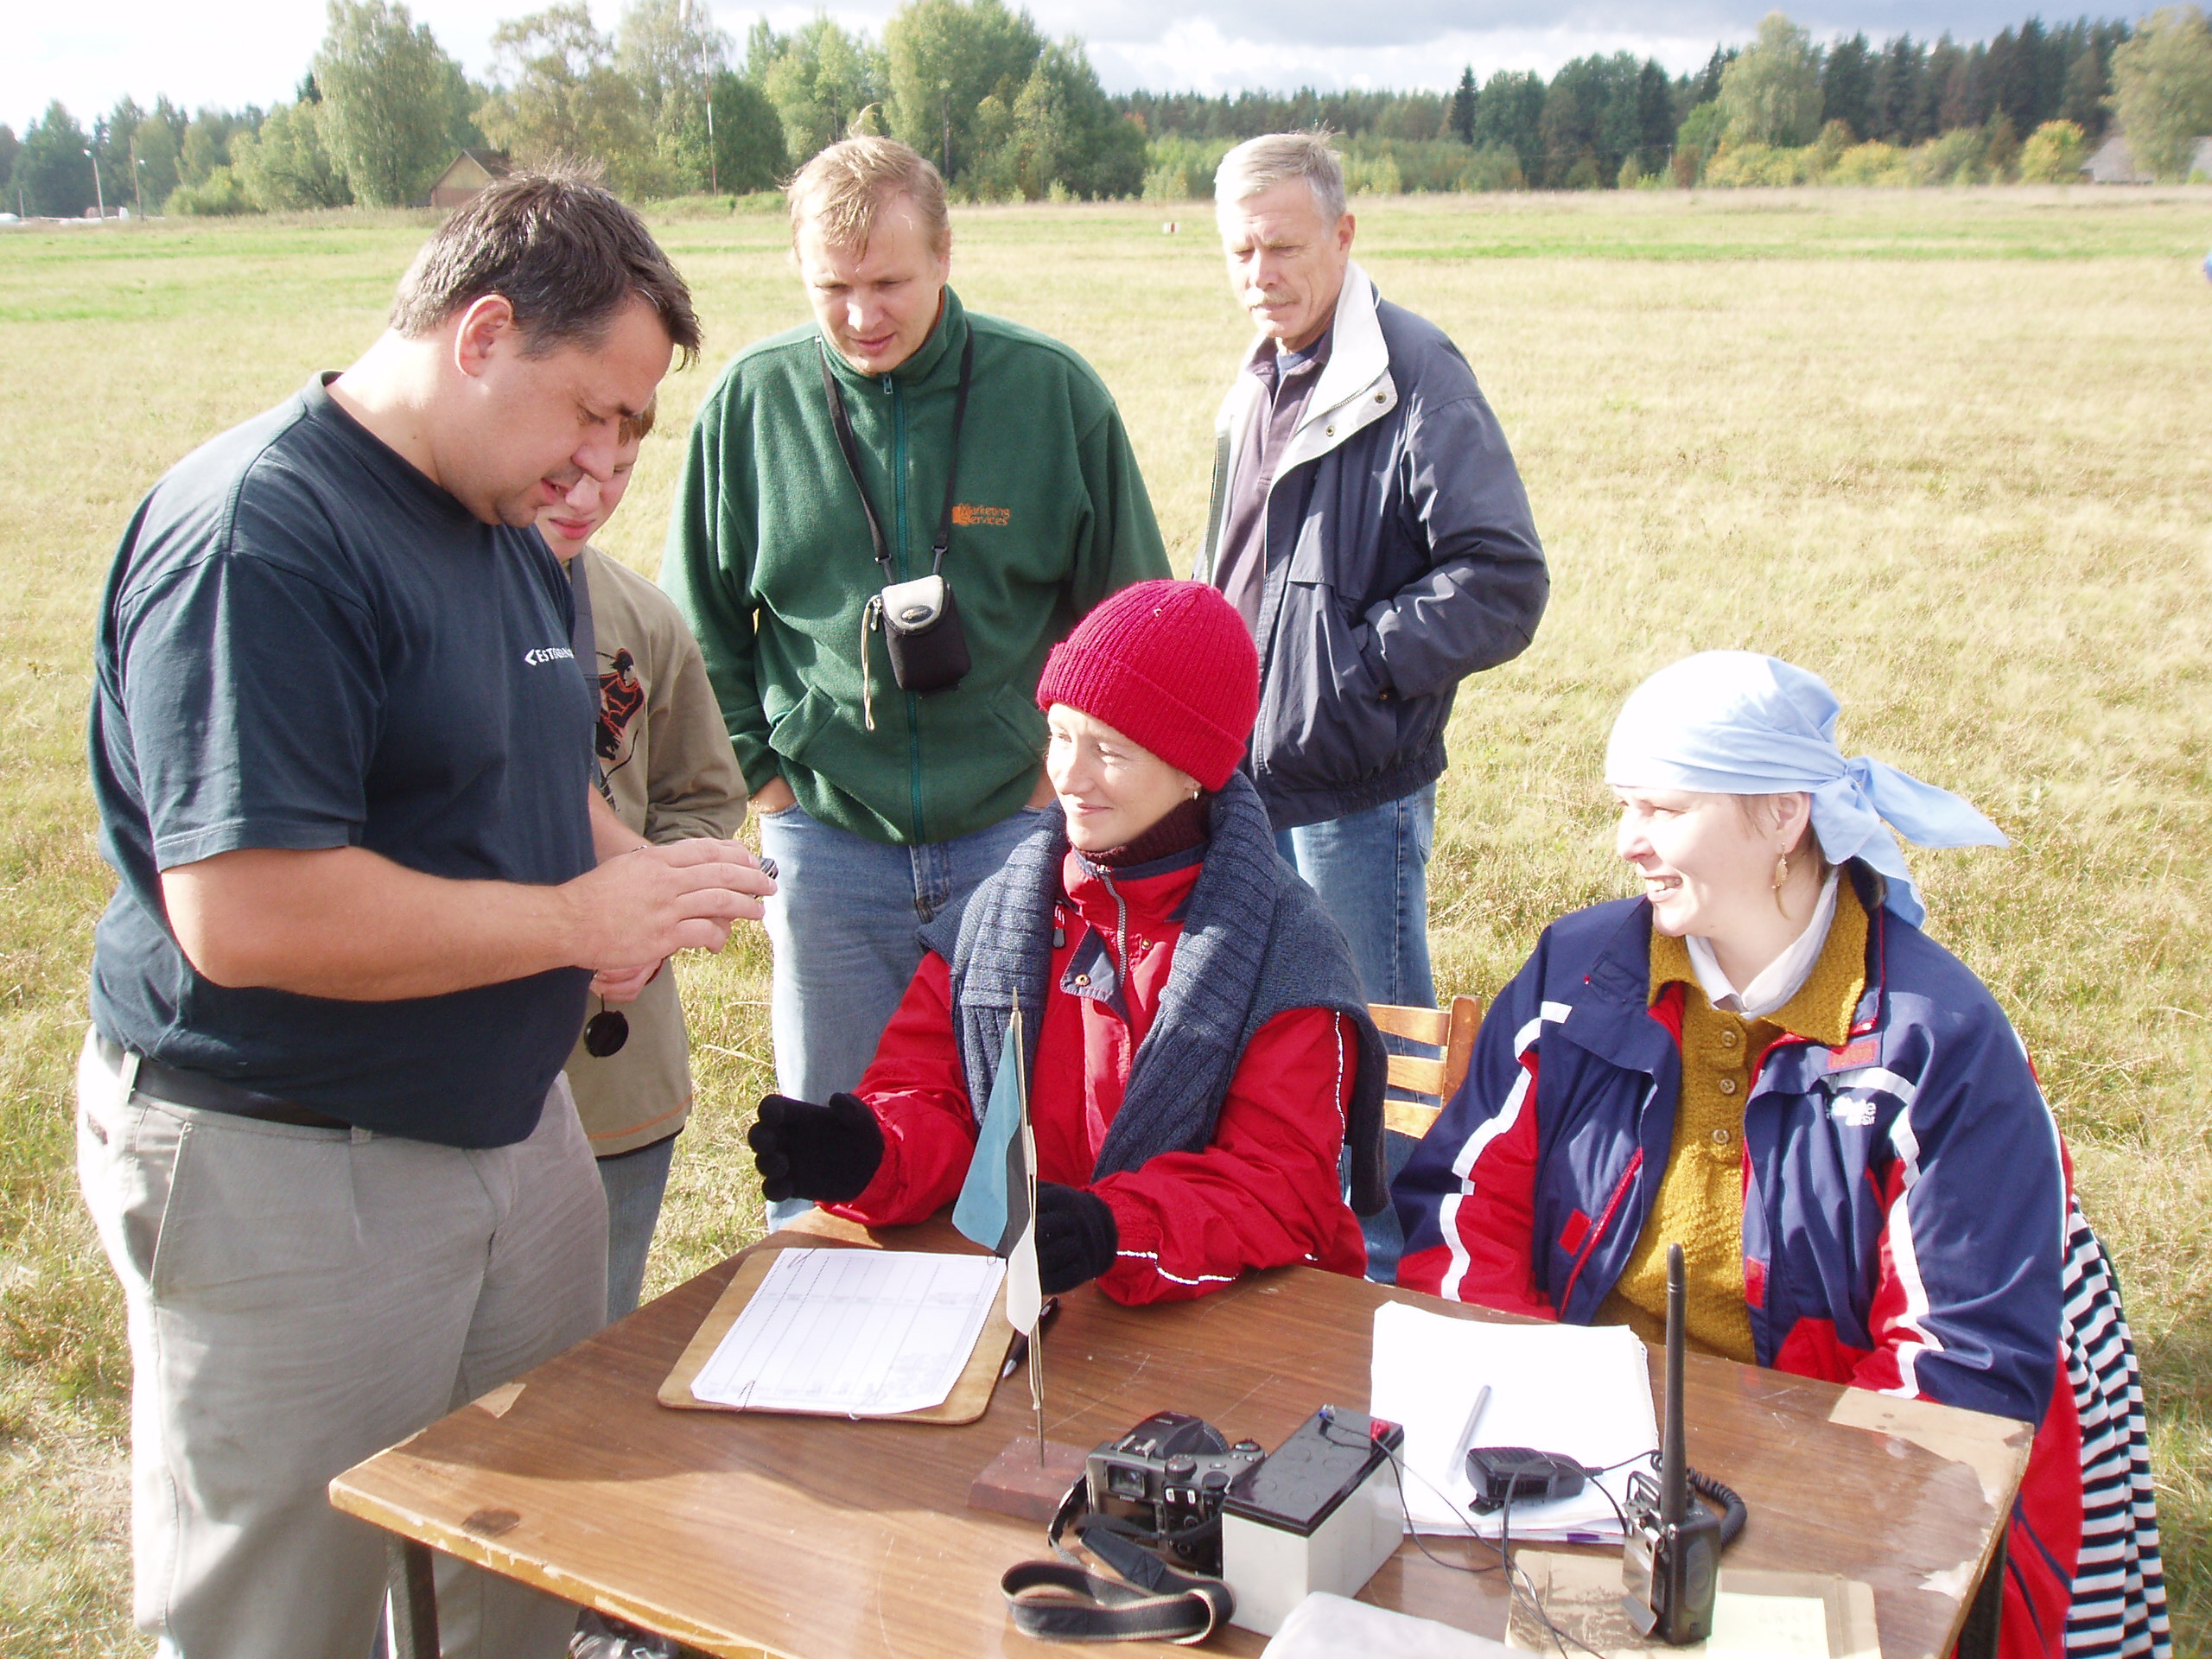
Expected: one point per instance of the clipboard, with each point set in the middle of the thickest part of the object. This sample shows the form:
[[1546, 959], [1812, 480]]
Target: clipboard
[[969, 1399]]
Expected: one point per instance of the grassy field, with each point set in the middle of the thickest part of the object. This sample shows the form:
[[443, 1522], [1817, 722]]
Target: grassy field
[[1948, 448]]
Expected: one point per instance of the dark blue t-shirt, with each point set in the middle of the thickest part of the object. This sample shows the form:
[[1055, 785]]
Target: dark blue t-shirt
[[306, 644]]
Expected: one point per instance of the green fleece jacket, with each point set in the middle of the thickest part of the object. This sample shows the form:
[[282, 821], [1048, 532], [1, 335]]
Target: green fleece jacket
[[769, 558]]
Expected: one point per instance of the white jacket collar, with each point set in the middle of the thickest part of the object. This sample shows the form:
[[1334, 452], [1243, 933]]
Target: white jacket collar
[[1345, 399]]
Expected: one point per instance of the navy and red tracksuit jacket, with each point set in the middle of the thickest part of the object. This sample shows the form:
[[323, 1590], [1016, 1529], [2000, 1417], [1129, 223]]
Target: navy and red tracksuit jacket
[[1906, 1195], [1265, 1193]]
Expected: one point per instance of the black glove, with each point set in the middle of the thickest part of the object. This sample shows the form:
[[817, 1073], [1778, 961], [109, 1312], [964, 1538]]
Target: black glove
[[1076, 1236], [827, 1153]]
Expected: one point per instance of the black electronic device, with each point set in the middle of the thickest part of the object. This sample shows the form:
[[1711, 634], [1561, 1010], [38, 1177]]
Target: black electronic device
[[1670, 1565], [1504, 1475], [1320, 1514], [1164, 1481], [1298, 1486]]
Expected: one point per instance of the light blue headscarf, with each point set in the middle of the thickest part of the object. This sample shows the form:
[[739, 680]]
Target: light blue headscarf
[[1732, 722]]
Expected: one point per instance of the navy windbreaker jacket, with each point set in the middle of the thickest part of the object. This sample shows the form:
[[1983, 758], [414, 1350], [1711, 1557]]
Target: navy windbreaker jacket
[[1908, 1226], [1904, 1200], [1400, 558]]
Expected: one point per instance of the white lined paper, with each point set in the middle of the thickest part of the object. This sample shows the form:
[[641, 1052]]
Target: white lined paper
[[859, 1333]]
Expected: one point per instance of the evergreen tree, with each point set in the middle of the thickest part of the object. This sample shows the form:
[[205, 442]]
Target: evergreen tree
[[1655, 103], [1950, 84], [1463, 99], [1705, 88], [1847, 86], [52, 174], [2083, 103], [1899, 95]]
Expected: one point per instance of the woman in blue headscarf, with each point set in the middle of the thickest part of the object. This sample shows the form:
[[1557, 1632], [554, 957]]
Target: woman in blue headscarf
[[1765, 1060]]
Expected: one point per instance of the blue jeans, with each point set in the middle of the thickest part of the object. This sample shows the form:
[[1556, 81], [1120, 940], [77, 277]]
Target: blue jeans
[[843, 925], [1372, 872], [634, 1182]]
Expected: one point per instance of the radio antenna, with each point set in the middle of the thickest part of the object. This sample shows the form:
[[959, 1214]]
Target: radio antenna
[[1674, 1468]]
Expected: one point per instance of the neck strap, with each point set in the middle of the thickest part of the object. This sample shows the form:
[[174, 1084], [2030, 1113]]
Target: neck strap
[[843, 423]]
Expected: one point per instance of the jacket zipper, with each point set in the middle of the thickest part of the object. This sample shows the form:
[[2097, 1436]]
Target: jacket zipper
[[898, 519], [1124, 991], [1605, 1221], [1121, 927]]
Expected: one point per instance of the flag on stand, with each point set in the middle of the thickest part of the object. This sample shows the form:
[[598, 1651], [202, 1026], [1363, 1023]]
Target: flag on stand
[[997, 1207]]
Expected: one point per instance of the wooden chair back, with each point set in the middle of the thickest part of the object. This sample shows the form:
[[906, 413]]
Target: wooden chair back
[[1451, 1031]]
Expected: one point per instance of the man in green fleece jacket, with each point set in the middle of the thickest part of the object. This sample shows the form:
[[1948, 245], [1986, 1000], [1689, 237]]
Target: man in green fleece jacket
[[882, 806]]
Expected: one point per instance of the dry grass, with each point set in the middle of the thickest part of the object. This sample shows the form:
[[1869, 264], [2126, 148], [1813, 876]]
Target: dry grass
[[1947, 449]]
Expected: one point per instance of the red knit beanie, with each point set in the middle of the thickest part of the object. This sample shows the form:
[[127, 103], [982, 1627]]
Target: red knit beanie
[[1168, 664]]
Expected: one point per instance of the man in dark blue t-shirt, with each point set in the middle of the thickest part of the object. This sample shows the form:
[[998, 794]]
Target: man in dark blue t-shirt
[[341, 750]]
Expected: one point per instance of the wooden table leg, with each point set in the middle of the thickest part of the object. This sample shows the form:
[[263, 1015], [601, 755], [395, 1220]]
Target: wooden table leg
[[414, 1601], [1977, 1635]]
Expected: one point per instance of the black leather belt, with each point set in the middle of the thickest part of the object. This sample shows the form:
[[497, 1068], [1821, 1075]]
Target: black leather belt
[[198, 1089]]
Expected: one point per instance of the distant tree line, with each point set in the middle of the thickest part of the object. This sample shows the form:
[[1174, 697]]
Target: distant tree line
[[668, 106], [1602, 121]]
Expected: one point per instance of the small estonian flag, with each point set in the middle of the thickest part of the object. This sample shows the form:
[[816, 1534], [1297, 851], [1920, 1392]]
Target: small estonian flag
[[997, 1207]]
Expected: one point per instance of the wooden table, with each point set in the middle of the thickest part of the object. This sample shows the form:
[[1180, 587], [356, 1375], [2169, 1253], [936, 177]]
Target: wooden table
[[810, 1538]]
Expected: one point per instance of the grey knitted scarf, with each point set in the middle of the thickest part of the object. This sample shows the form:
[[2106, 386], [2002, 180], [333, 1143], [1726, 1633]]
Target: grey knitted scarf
[[1255, 944]]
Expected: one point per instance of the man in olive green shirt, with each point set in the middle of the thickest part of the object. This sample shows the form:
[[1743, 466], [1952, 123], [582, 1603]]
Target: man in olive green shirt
[[665, 764], [880, 805]]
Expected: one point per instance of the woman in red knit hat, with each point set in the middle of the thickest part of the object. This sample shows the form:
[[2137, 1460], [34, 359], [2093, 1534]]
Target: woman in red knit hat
[[1200, 1056]]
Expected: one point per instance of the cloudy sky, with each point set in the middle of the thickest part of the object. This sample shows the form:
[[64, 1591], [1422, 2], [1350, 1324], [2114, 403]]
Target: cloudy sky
[[259, 48]]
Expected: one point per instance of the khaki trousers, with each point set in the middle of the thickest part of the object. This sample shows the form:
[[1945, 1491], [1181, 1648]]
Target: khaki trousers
[[299, 1299]]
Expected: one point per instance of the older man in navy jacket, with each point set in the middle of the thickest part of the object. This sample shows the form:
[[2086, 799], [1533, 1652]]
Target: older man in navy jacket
[[1367, 522]]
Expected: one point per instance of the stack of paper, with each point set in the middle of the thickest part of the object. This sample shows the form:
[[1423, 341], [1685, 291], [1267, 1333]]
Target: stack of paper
[[863, 1333], [1584, 1392]]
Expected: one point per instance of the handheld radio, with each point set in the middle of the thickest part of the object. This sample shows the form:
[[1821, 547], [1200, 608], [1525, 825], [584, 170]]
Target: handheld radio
[[1671, 1563]]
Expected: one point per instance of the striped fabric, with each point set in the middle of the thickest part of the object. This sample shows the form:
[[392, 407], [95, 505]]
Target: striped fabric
[[2119, 1592]]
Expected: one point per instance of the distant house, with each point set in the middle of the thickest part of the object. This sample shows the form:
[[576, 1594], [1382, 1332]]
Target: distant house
[[470, 171], [2112, 163]]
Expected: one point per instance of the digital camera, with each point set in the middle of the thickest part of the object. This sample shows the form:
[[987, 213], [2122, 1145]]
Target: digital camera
[[1165, 1478]]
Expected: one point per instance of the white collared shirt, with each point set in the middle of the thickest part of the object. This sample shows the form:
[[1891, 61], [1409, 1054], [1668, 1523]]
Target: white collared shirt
[[1781, 979]]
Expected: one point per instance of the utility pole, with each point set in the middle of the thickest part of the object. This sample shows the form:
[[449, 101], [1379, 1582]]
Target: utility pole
[[714, 178], [137, 179], [96, 194], [944, 146]]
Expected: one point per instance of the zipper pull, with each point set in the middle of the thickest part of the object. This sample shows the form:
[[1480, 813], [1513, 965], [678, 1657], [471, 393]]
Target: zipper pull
[[887, 385]]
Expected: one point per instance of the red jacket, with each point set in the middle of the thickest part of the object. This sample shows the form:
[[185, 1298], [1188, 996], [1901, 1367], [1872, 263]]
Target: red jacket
[[1265, 1193]]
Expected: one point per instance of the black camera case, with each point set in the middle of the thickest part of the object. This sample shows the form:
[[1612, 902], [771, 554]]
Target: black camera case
[[922, 634]]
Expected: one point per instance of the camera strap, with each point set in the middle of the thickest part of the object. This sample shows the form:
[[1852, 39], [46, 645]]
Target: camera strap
[[844, 422], [583, 639], [1058, 1601]]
